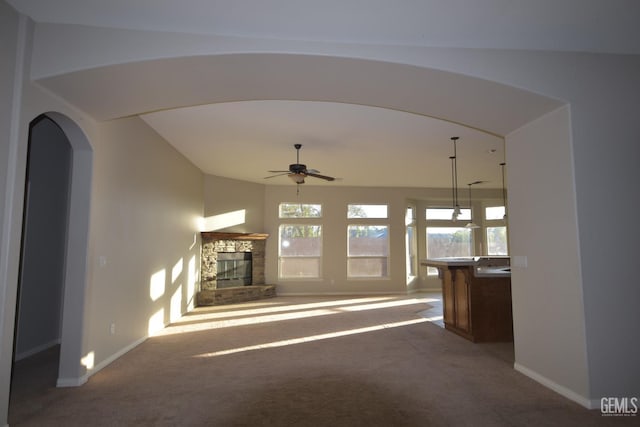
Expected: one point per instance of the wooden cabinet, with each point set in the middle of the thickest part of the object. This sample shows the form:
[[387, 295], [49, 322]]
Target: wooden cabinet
[[476, 308]]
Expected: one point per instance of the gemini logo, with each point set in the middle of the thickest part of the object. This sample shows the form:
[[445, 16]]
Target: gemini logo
[[619, 406]]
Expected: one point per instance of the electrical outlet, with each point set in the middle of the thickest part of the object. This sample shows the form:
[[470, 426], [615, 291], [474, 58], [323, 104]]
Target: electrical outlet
[[112, 328]]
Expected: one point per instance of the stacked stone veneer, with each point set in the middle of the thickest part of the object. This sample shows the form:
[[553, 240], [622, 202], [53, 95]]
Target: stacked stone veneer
[[212, 244]]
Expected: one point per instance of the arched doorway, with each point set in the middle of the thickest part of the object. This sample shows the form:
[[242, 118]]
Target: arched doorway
[[53, 255]]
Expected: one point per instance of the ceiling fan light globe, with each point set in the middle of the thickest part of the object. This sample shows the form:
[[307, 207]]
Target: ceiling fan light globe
[[297, 178]]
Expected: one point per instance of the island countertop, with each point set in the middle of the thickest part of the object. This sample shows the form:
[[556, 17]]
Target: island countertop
[[485, 266]]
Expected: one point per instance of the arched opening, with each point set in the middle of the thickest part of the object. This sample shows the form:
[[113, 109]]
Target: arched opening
[[52, 256]]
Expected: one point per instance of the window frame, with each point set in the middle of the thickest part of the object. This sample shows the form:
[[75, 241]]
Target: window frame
[[300, 223], [280, 216], [387, 264], [411, 243], [445, 223], [494, 223], [377, 221]]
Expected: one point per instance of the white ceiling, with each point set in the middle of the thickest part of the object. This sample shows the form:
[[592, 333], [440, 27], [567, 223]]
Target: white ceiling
[[362, 145], [576, 25]]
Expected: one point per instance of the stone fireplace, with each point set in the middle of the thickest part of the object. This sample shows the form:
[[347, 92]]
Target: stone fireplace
[[232, 268]]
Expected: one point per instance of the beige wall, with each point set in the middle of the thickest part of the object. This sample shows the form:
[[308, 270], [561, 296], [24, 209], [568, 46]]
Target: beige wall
[[141, 211], [232, 205], [146, 203]]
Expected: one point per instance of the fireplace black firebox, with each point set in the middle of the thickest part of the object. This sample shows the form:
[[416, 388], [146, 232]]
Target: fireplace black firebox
[[234, 269]]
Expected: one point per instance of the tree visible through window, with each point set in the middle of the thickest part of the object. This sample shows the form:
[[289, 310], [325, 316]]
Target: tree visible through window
[[300, 210], [367, 250], [300, 251]]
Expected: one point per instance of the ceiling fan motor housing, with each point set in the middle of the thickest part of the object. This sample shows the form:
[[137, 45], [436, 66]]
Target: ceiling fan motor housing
[[297, 168]]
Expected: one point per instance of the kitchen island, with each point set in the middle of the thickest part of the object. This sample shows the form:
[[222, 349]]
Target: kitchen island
[[476, 297]]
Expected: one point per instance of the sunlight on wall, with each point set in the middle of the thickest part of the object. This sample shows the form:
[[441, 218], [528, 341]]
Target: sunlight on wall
[[156, 322], [156, 288], [89, 360], [312, 338], [176, 271], [191, 282], [218, 222], [176, 304]]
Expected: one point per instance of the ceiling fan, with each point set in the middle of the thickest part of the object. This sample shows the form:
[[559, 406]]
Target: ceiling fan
[[298, 171]]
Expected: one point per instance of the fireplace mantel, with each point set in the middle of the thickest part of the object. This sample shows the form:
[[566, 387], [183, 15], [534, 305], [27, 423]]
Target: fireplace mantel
[[217, 235]]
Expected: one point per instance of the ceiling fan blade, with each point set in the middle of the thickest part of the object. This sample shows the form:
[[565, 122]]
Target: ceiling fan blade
[[279, 171], [315, 175], [279, 174]]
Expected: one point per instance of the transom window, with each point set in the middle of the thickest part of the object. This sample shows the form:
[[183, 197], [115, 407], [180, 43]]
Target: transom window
[[445, 214], [300, 210], [367, 211]]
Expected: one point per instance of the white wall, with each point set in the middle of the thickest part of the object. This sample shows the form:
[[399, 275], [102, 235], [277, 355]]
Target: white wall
[[548, 309], [10, 79]]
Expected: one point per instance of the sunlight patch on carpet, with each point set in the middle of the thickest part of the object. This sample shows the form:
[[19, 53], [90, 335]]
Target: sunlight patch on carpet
[[312, 338]]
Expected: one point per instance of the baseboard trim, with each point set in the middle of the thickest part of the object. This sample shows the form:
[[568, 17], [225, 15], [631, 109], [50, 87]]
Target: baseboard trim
[[72, 382], [36, 350], [560, 389], [76, 382]]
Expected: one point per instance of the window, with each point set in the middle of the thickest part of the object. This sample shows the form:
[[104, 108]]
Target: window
[[445, 214], [494, 213], [411, 244], [300, 210], [300, 251], [496, 230], [367, 211], [447, 238], [367, 251]]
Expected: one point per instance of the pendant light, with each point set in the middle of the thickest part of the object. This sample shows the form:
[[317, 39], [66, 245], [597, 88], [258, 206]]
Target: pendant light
[[504, 193], [472, 224], [454, 180]]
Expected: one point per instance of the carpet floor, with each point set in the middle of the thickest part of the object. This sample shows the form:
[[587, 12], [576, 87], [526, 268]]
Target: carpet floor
[[301, 361]]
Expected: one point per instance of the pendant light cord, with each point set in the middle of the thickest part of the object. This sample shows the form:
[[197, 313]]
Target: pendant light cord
[[454, 172]]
